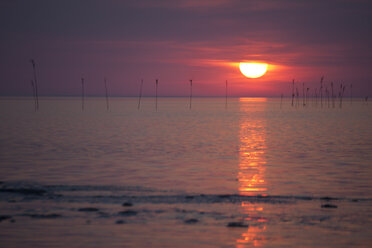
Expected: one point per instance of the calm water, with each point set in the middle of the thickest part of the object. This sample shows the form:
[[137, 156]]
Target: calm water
[[286, 176]]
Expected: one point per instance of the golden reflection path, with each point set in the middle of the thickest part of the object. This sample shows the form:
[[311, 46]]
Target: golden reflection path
[[251, 175]]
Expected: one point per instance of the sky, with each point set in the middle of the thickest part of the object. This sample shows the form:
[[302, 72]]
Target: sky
[[178, 40]]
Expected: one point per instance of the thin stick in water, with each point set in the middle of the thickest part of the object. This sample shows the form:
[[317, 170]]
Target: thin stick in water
[[281, 100], [226, 96], [293, 94], [307, 95], [35, 82], [333, 97], [342, 91], [82, 94], [140, 95], [321, 91], [156, 94], [303, 94], [33, 94], [190, 93], [297, 98]]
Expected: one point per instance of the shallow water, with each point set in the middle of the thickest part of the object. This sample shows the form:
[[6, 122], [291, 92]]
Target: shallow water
[[284, 174]]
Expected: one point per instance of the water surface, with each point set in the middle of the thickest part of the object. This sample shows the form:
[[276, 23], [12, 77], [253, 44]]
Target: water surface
[[283, 174]]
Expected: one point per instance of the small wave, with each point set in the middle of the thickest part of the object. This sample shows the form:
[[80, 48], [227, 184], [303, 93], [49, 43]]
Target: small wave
[[120, 194]]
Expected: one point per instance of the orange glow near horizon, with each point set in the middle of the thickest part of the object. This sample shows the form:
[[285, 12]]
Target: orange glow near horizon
[[252, 99], [253, 70]]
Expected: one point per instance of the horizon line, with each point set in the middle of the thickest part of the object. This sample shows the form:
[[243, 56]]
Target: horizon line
[[170, 96]]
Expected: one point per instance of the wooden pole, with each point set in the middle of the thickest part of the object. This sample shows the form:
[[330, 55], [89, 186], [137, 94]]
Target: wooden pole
[[82, 94], [303, 94], [281, 100], [190, 93], [293, 93], [35, 82], [332, 96], [307, 96], [226, 95], [321, 91], [33, 94], [140, 95], [156, 94], [327, 91]]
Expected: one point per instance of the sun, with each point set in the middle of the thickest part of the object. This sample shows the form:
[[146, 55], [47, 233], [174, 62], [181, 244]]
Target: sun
[[253, 70]]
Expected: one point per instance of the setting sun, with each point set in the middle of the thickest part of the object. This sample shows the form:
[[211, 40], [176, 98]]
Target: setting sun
[[253, 70]]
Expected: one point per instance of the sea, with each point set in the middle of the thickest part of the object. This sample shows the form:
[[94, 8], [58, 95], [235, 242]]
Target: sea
[[170, 172]]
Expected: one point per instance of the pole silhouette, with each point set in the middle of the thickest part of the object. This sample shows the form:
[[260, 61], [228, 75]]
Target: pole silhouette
[[226, 95], [303, 94], [321, 91], [190, 93], [35, 83], [156, 94], [332, 96], [281, 100], [140, 95], [33, 94], [293, 93], [82, 94], [307, 95]]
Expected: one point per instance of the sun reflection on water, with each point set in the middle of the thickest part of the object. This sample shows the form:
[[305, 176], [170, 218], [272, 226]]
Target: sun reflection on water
[[251, 175]]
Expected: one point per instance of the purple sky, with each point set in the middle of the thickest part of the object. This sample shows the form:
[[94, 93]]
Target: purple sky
[[178, 40]]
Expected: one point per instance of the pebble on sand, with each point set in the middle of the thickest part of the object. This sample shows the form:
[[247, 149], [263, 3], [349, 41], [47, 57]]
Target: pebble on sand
[[88, 209], [43, 216], [4, 217], [24, 191], [328, 206], [120, 222], [128, 213], [237, 224], [191, 221]]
